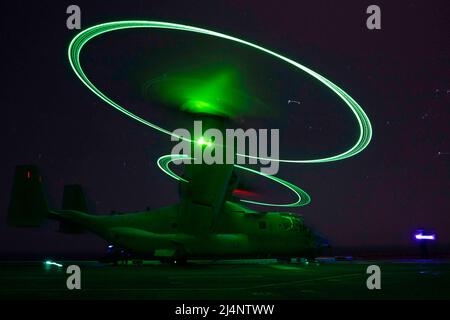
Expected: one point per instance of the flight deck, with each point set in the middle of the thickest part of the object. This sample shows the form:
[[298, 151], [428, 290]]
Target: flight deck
[[232, 279]]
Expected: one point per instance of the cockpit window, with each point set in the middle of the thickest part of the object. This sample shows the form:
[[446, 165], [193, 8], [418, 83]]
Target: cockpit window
[[289, 223]]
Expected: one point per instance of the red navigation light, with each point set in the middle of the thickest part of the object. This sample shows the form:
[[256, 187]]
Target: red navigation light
[[245, 193]]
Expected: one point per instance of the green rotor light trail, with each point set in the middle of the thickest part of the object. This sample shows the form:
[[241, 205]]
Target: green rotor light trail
[[302, 197], [85, 36], [163, 164]]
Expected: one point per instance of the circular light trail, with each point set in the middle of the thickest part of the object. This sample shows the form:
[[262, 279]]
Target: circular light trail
[[85, 36], [302, 197]]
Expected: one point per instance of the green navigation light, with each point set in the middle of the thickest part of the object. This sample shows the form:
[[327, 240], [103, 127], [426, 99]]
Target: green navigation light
[[203, 142], [52, 263]]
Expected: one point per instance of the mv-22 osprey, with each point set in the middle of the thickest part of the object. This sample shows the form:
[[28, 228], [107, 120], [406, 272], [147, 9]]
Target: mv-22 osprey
[[208, 222]]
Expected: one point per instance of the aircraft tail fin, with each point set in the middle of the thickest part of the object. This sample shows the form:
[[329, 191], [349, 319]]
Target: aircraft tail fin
[[73, 199], [28, 204]]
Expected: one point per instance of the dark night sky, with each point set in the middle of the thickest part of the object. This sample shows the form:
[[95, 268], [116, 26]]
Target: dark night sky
[[400, 75]]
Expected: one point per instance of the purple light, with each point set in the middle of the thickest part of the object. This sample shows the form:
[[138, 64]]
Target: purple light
[[421, 236]]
